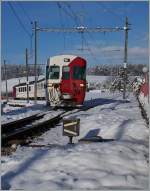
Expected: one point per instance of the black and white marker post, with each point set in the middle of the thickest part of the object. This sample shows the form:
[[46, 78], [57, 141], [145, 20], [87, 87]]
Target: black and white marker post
[[71, 128]]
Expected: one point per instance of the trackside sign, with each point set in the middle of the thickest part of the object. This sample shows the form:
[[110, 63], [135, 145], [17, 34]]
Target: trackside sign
[[71, 127]]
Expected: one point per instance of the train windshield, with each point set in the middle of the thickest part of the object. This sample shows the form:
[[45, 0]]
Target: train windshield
[[79, 73], [65, 73], [53, 72]]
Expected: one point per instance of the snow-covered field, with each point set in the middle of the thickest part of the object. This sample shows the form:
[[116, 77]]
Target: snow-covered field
[[10, 113], [95, 79], [14, 81], [118, 164]]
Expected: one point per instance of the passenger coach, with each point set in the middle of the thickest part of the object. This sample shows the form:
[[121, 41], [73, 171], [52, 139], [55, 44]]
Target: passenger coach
[[20, 90]]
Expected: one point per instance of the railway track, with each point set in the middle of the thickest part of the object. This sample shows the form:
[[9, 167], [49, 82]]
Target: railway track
[[22, 131], [22, 128]]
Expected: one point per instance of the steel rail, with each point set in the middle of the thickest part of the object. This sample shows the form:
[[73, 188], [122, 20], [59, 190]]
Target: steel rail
[[20, 122], [38, 124]]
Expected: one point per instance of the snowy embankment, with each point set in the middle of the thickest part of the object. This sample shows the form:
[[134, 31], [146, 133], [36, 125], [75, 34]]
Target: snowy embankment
[[10, 113], [118, 164]]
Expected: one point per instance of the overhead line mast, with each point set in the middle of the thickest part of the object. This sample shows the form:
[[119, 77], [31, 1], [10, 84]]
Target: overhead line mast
[[125, 58], [35, 62], [79, 29]]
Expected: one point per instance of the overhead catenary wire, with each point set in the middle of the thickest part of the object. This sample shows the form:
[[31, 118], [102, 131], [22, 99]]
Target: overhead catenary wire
[[66, 12], [90, 34], [18, 19], [75, 19], [78, 21], [71, 14], [105, 8], [25, 12], [61, 24], [113, 13], [74, 15], [30, 21], [89, 49]]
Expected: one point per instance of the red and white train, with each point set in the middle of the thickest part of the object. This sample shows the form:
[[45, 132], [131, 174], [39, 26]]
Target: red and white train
[[65, 83], [65, 80]]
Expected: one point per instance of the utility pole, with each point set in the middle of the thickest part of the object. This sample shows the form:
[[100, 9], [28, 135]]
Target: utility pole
[[27, 73], [5, 69], [35, 63], [125, 58]]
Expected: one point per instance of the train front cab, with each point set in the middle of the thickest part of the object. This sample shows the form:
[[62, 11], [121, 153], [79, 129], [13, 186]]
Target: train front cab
[[53, 79], [73, 83]]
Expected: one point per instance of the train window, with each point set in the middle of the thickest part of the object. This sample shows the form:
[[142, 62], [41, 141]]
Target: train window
[[53, 72], [79, 73], [29, 88], [25, 89], [65, 73]]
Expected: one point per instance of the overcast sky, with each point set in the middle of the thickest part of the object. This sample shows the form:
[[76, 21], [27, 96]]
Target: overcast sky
[[99, 48]]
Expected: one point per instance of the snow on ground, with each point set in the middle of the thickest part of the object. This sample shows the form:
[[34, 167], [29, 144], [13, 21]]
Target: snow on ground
[[145, 103], [95, 79], [118, 164], [10, 113]]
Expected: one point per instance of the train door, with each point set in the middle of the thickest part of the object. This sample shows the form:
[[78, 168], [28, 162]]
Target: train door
[[66, 88], [79, 82]]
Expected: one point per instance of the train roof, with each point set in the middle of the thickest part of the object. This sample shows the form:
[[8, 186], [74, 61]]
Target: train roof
[[71, 56], [30, 83], [63, 60], [63, 55]]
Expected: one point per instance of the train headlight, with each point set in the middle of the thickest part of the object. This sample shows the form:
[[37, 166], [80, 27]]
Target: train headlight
[[81, 85]]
